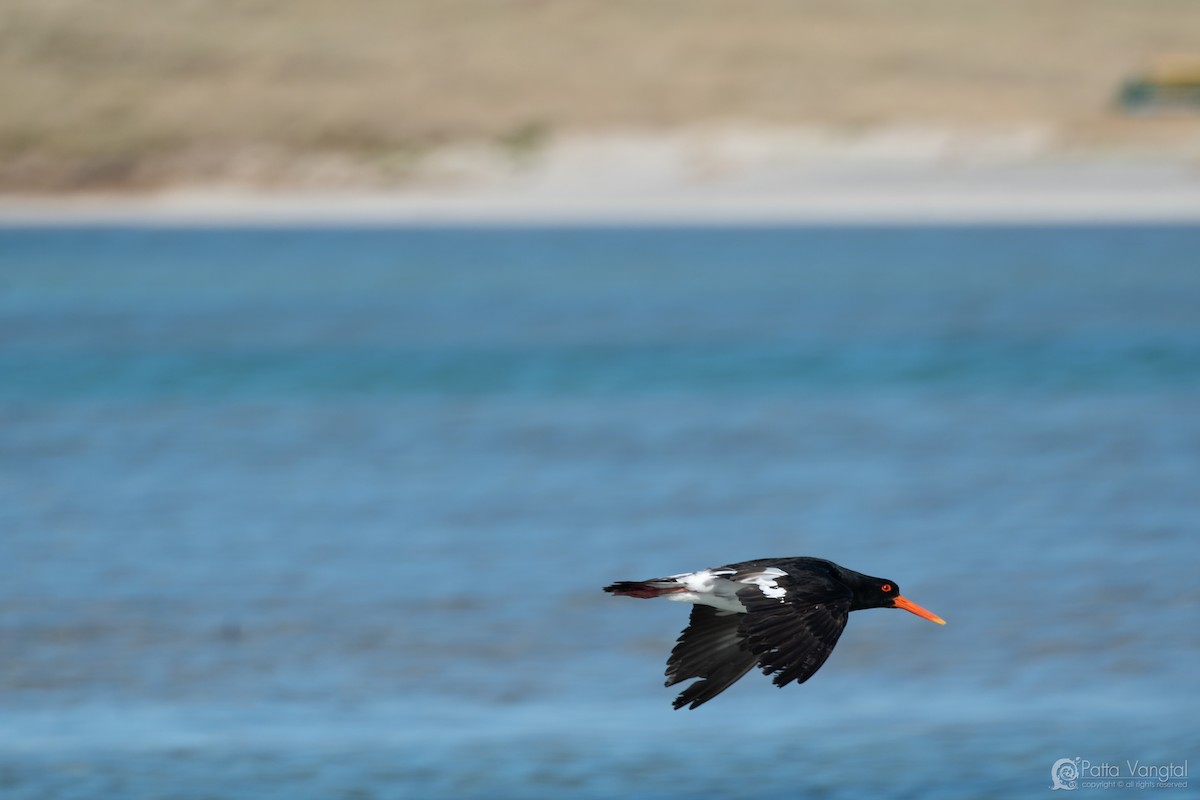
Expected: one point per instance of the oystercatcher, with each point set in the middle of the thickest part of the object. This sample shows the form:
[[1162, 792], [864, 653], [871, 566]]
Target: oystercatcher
[[782, 614]]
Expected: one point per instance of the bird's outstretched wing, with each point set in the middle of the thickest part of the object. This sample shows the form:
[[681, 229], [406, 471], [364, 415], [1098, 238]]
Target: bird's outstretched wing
[[711, 648], [791, 632]]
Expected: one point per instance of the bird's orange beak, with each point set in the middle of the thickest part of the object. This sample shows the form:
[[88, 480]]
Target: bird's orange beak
[[910, 606]]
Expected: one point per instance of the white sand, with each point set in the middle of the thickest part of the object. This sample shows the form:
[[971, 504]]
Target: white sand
[[702, 176]]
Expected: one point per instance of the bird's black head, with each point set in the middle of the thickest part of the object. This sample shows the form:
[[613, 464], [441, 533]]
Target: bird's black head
[[883, 593], [874, 592]]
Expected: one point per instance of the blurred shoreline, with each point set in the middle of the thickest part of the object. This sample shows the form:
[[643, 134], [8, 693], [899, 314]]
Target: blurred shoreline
[[508, 110], [694, 175]]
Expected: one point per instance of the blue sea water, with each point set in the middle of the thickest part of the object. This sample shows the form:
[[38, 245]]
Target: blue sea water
[[293, 513]]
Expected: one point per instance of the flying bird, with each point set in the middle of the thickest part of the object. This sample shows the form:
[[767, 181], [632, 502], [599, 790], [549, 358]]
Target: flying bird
[[783, 615]]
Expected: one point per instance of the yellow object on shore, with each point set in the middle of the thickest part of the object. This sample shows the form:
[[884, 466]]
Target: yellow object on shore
[[1171, 84]]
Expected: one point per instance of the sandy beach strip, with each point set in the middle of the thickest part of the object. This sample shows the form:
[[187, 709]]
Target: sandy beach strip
[[608, 187]]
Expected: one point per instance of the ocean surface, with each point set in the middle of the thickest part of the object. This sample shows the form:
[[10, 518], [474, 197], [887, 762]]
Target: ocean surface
[[295, 513]]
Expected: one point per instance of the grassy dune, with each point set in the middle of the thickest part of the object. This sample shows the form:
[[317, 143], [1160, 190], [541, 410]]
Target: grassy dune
[[135, 93]]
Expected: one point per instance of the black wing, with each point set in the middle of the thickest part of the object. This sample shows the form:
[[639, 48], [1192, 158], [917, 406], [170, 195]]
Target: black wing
[[711, 648], [792, 635]]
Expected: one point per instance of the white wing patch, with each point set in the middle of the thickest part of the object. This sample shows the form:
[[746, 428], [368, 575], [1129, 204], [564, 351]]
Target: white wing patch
[[765, 581], [711, 587]]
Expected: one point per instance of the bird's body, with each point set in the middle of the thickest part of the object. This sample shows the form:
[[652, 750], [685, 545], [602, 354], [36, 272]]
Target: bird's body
[[783, 615]]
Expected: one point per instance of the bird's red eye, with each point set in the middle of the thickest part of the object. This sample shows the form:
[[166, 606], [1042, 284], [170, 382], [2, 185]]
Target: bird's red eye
[[887, 587]]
